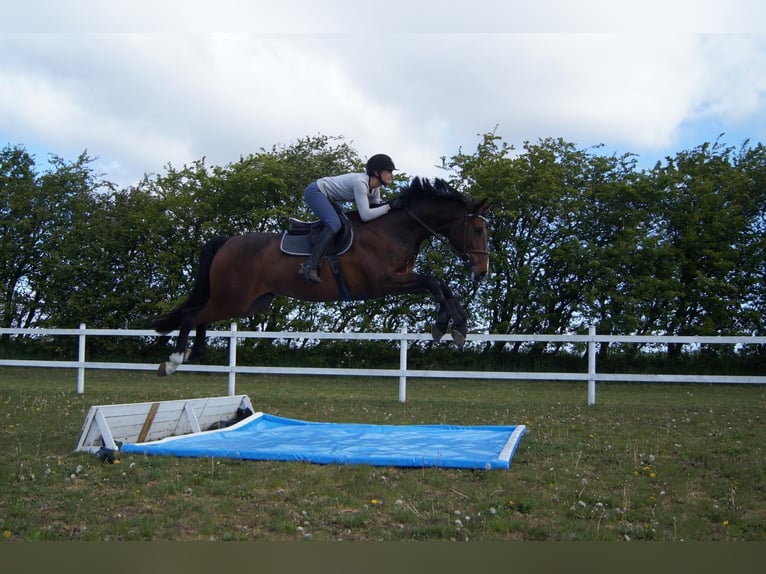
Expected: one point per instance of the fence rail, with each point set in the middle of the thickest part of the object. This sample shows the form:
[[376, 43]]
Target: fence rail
[[591, 340]]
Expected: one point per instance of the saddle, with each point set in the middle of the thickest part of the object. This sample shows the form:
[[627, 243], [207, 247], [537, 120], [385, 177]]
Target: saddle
[[300, 235]]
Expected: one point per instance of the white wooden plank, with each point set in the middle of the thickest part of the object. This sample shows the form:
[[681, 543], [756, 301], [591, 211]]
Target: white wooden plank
[[105, 425]]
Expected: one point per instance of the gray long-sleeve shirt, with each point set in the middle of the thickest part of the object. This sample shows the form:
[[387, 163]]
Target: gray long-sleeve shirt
[[354, 187]]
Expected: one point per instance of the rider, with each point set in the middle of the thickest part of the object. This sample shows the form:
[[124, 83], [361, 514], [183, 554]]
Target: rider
[[363, 188]]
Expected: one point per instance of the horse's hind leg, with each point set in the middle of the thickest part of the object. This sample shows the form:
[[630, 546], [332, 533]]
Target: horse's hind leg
[[170, 366], [180, 352], [198, 349]]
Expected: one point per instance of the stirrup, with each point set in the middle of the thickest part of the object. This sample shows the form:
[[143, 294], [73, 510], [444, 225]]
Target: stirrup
[[309, 273]]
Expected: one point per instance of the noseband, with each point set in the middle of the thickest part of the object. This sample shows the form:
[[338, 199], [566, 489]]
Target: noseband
[[466, 254]]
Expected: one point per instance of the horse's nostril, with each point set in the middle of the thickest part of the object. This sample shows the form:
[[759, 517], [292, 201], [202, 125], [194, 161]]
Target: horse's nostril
[[477, 276]]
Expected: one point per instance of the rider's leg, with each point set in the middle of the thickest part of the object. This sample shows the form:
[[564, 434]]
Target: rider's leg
[[309, 269], [322, 207]]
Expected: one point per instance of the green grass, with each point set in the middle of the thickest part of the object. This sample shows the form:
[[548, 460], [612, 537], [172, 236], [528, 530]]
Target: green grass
[[648, 462]]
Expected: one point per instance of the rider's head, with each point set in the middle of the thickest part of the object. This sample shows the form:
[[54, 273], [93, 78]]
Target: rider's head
[[379, 162]]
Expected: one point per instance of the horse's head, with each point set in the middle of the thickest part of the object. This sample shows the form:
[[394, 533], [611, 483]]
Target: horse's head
[[447, 213], [473, 244]]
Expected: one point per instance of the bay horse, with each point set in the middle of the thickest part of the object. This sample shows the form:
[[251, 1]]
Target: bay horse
[[239, 276]]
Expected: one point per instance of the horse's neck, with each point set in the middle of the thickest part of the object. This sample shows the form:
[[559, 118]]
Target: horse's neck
[[411, 225], [431, 220]]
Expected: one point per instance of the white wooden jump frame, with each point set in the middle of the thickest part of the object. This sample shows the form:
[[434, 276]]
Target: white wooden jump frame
[[591, 340], [106, 425]]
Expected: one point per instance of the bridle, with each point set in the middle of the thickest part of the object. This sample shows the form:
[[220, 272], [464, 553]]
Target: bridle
[[466, 254]]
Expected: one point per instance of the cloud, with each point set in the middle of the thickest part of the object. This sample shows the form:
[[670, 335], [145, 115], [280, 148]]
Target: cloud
[[374, 16], [735, 77], [207, 87], [629, 89]]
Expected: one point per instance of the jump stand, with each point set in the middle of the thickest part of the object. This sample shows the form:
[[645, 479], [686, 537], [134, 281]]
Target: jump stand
[[107, 425]]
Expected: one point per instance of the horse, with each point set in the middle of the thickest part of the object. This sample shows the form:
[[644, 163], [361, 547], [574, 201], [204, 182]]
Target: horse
[[240, 276]]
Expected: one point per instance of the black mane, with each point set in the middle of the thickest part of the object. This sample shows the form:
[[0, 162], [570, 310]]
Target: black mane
[[420, 188]]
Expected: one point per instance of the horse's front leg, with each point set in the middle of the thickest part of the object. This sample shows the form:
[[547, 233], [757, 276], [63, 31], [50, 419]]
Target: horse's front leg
[[459, 324], [458, 315], [449, 309], [442, 320]]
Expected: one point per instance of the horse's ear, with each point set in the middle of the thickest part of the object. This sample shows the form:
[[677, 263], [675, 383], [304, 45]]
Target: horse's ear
[[483, 206]]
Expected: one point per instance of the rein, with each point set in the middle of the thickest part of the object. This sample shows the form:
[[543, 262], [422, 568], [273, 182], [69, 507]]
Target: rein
[[466, 255]]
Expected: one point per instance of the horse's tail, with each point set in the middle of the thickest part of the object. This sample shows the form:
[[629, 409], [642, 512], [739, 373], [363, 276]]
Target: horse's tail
[[200, 292]]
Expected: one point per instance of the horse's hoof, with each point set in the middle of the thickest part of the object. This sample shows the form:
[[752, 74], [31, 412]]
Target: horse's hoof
[[459, 338], [167, 368], [436, 333]]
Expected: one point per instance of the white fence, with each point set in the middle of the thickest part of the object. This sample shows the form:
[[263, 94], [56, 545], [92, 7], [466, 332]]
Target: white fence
[[402, 373]]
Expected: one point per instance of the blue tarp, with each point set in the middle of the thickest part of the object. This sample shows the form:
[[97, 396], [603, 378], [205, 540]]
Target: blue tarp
[[268, 437]]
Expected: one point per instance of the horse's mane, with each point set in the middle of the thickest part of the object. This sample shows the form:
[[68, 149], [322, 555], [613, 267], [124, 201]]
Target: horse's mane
[[421, 188]]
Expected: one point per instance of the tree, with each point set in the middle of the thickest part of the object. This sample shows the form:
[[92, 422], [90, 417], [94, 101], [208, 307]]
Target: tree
[[701, 225], [45, 236], [751, 276], [536, 227], [21, 226], [72, 279], [615, 228], [575, 238], [256, 193]]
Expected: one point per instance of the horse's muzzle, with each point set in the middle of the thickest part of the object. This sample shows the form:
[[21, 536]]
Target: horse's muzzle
[[479, 265], [478, 275]]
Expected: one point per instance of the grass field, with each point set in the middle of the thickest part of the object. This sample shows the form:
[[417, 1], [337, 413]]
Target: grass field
[[648, 462]]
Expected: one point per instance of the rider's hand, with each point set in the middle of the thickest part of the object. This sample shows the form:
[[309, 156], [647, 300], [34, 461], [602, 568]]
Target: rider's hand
[[396, 203]]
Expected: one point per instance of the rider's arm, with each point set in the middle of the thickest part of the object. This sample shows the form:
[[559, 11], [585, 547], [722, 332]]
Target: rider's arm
[[367, 213]]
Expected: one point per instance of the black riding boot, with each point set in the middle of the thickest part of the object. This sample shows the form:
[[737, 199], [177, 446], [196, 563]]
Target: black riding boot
[[308, 269]]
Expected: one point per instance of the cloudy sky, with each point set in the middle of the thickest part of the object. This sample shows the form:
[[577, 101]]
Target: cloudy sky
[[143, 83]]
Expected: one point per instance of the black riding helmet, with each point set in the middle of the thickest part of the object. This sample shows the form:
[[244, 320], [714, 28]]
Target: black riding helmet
[[379, 162]]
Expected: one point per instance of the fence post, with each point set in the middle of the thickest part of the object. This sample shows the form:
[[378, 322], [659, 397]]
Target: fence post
[[592, 365], [403, 365], [81, 360], [232, 358]]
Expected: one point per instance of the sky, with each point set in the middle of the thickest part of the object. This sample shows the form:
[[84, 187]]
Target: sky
[[141, 84]]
